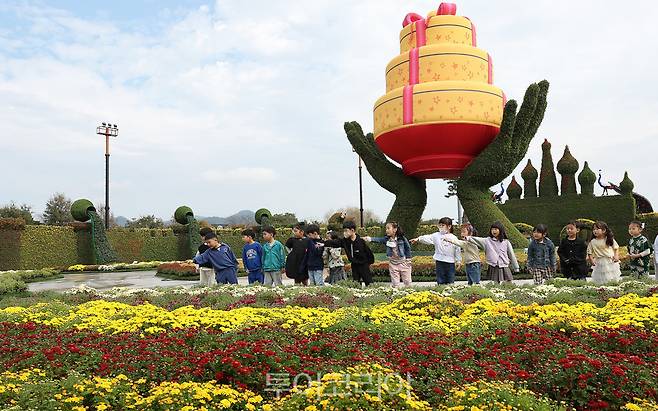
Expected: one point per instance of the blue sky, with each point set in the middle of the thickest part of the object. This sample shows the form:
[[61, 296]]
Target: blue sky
[[235, 105]]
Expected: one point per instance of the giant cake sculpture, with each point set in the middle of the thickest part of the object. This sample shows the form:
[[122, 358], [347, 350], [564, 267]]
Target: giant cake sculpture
[[441, 108]]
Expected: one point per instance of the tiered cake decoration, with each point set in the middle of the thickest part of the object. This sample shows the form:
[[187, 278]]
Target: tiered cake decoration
[[441, 108]]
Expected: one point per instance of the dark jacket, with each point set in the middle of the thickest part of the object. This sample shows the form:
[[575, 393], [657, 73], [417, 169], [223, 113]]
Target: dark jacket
[[357, 251], [221, 258], [572, 251], [297, 247], [312, 260], [202, 249], [404, 248], [541, 254]]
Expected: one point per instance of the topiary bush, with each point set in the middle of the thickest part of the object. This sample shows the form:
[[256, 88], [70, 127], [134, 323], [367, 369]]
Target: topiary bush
[[587, 179], [514, 190], [529, 175], [263, 216], [568, 167], [80, 209], [182, 213], [547, 178]]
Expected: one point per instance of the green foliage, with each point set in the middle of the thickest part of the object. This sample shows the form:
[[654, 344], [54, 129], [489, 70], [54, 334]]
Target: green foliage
[[585, 225], [194, 238], [529, 175], [568, 167], [650, 221], [23, 211], [146, 221], [547, 178], [11, 230], [499, 159], [284, 220], [263, 215], [58, 210], [410, 192], [103, 251], [514, 190], [626, 186], [586, 179], [556, 212], [80, 209], [47, 246], [524, 228], [181, 214]]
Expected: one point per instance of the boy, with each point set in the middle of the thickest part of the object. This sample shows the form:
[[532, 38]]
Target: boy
[[296, 246], [274, 259], [206, 272], [312, 261], [447, 256], [639, 250], [222, 259], [541, 255], [334, 261], [358, 252], [252, 257], [573, 254]]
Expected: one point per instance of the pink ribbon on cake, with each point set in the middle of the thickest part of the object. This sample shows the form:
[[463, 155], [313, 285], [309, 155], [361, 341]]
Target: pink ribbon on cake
[[408, 105]]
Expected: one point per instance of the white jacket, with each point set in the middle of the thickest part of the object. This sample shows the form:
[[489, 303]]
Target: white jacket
[[443, 251]]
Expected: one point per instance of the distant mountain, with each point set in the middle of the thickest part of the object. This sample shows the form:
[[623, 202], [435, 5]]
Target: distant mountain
[[121, 221], [241, 217]]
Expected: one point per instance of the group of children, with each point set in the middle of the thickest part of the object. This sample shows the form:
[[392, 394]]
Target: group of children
[[312, 260]]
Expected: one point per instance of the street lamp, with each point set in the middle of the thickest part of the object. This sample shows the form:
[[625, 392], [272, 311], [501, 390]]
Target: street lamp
[[360, 189], [108, 130]]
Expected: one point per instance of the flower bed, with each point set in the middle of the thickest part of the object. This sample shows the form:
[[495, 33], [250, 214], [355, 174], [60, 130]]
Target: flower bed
[[433, 349]]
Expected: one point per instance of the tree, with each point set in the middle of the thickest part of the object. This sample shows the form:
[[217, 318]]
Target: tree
[[354, 213], [58, 210], [283, 220], [23, 211], [100, 209], [145, 221]]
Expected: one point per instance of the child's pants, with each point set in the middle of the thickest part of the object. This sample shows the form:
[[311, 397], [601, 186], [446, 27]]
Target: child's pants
[[445, 272], [273, 278], [540, 274], [361, 272], [226, 276], [207, 276], [400, 271], [336, 274], [316, 277], [256, 276], [638, 271], [576, 271], [473, 273]]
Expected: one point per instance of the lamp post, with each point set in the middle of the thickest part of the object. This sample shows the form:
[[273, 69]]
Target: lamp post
[[360, 190], [108, 130]]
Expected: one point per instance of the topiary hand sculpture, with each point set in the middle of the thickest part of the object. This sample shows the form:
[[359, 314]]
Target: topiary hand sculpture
[[499, 160], [410, 192]]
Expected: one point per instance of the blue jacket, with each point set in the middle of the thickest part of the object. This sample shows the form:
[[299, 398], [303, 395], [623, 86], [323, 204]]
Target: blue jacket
[[313, 260], [252, 256], [221, 258], [404, 248], [541, 254]]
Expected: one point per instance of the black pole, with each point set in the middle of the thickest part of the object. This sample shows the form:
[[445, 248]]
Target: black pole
[[361, 190], [107, 191]]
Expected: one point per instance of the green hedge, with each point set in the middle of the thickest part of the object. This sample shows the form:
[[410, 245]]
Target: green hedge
[[556, 212], [143, 244]]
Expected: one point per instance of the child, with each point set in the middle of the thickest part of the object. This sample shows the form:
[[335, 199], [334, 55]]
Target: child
[[312, 261], [541, 255], [639, 250], [573, 254], [499, 253], [398, 251], [603, 252], [222, 259], [252, 257], [471, 254], [274, 259], [296, 246], [446, 255], [206, 272], [358, 252], [334, 260]]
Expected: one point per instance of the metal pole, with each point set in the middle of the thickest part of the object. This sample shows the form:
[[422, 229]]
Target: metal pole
[[459, 212], [107, 180], [361, 190]]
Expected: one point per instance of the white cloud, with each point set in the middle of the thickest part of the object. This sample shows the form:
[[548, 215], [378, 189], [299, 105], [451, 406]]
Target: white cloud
[[255, 175]]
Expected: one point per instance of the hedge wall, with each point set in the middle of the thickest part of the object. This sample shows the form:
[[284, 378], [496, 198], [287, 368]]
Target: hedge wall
[[555, 212], [144, 244], [48, 246]]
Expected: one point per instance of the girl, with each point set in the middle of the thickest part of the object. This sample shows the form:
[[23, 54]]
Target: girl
[[398, 251], [541, 255], [334, 261], [603, 253], [499, 253], [471, 254], [446, 255]]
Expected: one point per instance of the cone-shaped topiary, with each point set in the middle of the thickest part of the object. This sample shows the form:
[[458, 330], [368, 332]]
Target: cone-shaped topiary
[[262, 216], [547, 178], [181, 214], [626, 186], [586, 179], [529, 175], [80, 209], [568, 167], [335, 222], [514, 190]]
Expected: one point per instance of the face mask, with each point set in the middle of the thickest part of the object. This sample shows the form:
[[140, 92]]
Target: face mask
[[347, 235], [443, 231]]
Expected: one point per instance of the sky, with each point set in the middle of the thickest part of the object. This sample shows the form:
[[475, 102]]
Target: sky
[[233, 105]]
